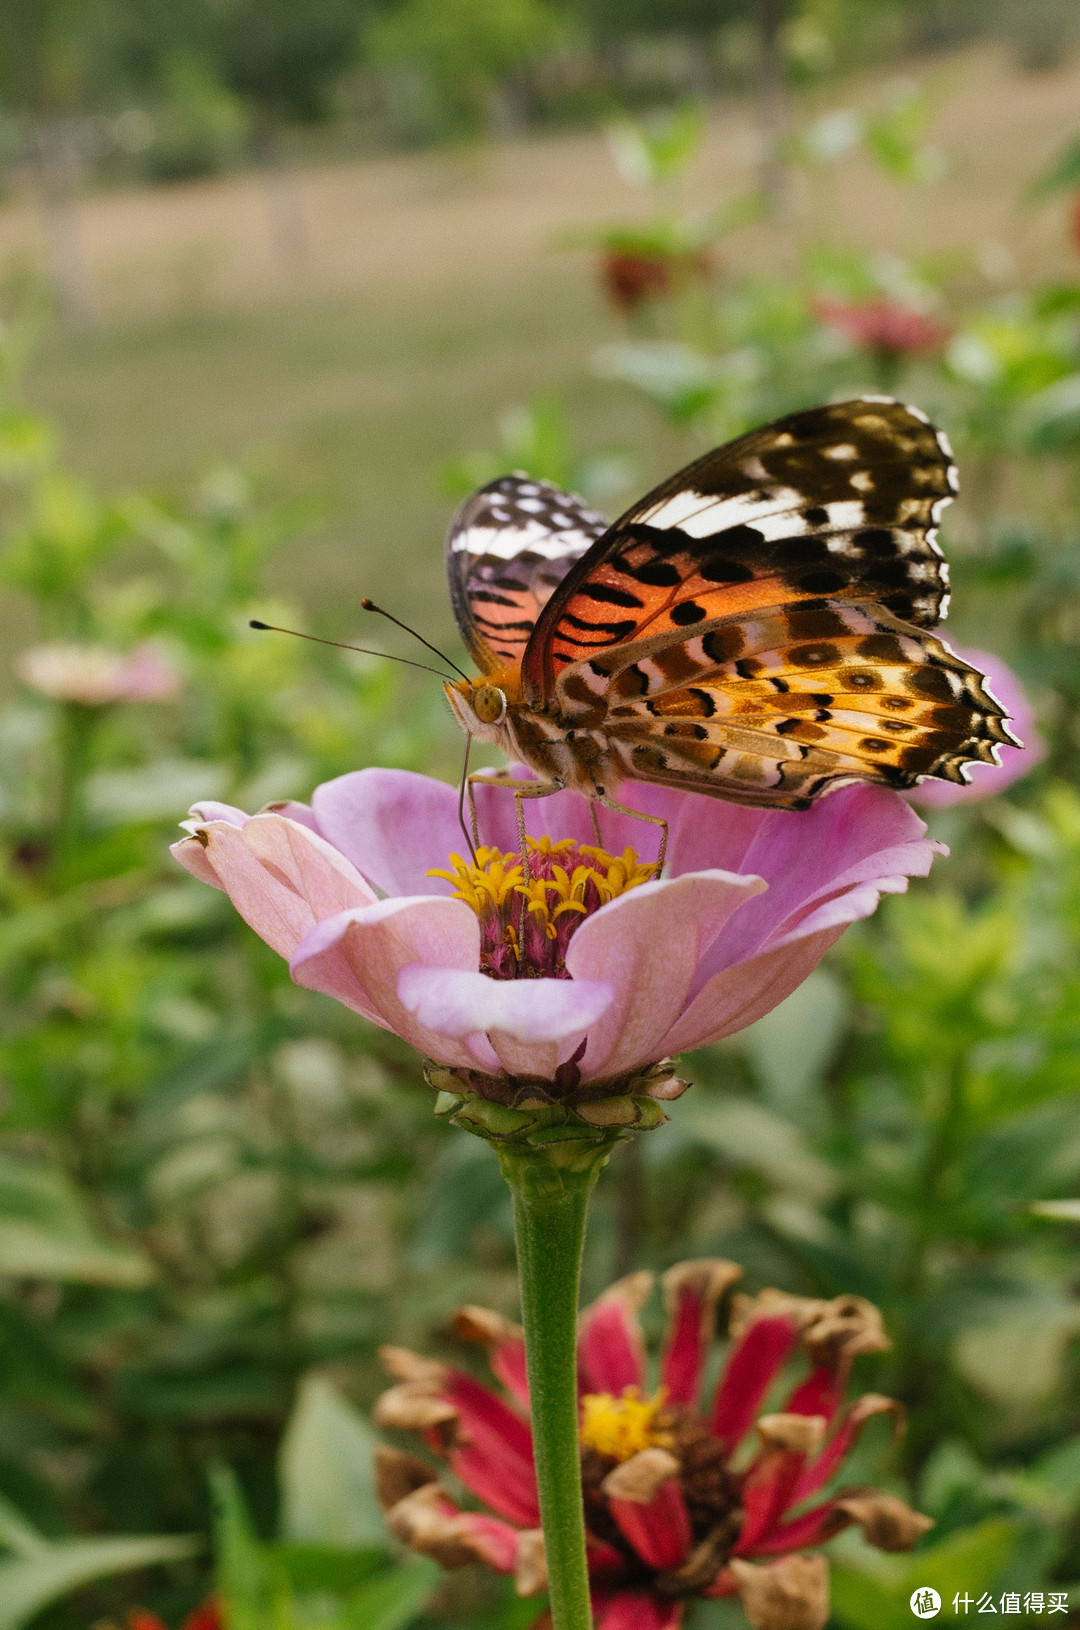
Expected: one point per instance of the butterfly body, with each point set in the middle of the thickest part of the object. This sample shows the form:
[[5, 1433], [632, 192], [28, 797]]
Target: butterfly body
[[754, 629]]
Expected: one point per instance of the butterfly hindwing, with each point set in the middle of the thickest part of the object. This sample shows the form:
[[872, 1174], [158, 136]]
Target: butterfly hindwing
[[841, 501], [508, 548], [772, 710]]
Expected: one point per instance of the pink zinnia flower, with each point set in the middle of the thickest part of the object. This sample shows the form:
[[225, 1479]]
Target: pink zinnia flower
[[883, 325], [685, 1495], [989, 779], [582, 975], [95, 675]]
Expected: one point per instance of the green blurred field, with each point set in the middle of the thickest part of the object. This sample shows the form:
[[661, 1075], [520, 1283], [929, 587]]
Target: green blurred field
[[430, 294]]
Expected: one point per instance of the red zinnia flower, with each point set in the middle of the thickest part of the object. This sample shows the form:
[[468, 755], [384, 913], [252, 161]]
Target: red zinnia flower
[[674, 1510], [205, 1617], [883, 325]]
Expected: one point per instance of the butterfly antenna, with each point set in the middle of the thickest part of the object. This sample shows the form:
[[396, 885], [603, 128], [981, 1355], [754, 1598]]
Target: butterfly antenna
[[339, 645], [369, 605]]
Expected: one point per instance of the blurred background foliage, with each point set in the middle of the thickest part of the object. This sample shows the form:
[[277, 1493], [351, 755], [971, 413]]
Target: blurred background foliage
[[218, 1193]]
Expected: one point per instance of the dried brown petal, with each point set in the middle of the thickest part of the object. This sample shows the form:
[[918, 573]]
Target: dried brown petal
[[798, 1434], [789, 1595], [638, 1478], [770, 1304], [480, 1324], [847, 1327], [888, 1522], [397, 1475], [530, 1567], [422, 1522], [404, 1365], [412, 1407], [706, 1277]]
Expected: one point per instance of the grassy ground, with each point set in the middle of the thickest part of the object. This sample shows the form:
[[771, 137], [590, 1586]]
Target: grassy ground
[[428, 296]]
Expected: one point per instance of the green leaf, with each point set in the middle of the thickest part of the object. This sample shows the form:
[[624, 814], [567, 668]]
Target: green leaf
[[1060, 176], [245, 1574], [327, 1471], [395, 1598], [32, 1582], [46, 1234], [874, 1594]]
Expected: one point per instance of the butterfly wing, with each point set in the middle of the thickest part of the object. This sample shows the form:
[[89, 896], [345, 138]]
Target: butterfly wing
[[773, 709], [508, 548], [754, 628], [841, 501]]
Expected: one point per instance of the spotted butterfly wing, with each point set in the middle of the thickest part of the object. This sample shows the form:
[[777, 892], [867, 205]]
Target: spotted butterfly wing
[[753, 628], [508, 548]]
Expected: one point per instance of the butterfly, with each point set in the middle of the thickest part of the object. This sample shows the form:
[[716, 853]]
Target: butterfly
[[756, 628]]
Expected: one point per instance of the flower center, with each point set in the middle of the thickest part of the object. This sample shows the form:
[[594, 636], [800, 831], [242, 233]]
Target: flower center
[[622, 1427], [526, 923]]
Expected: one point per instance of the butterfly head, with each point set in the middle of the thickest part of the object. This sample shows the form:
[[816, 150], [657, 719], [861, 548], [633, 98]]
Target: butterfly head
[[479, 706]]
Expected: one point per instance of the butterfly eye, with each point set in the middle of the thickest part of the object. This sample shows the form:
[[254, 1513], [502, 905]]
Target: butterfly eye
[[489, 704]]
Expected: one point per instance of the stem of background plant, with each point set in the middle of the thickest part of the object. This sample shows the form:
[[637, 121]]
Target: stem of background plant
[[74, 739], [550, 1207]]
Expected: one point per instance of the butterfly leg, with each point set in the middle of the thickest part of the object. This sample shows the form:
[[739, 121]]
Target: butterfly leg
[[595, 824], [639, 815], [521, 790]]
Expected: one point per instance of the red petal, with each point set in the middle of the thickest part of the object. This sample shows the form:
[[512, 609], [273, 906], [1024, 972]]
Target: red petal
[[140, 1619], [660, 1531], [611, 1353], [819, 1394], [205, 1617], [812, 1528], [819, 1471], [494, 1455], [766, 1494], [691, 1292], [508, 1366], [630, 1610], [496, 1540], [748, 1374]]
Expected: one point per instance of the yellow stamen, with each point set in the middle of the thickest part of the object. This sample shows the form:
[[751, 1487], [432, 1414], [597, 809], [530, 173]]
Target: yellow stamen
[[495, 878], [622, 1427]]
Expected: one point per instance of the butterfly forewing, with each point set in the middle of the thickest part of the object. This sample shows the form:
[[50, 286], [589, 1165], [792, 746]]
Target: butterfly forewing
[[840, 501], [509, 547]]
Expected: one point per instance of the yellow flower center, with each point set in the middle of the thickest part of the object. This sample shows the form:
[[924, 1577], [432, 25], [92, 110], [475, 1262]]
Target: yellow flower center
[[622, 1427], [527, 921]]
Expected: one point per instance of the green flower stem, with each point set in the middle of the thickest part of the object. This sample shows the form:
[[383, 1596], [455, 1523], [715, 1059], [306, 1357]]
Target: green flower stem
[[550, 1207], [551, 1154]]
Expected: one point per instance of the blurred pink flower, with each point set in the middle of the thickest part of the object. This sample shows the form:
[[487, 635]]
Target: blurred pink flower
[[94, 675], [674, 1511], [355, 891], [883, 325], [989, 779]]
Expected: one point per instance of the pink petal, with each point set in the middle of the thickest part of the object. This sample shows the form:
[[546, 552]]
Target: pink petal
[[753, 1364], [659, 1531], [648, 943], [632, 1610], [736, 997], [193, 858], [281, 878], [357, 957], [494, 1457], [211, 810], [851, 836], [532, 1023], [611, 1351], [393, 826]]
